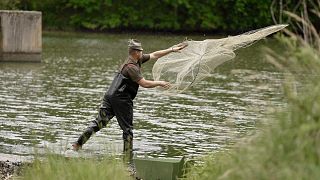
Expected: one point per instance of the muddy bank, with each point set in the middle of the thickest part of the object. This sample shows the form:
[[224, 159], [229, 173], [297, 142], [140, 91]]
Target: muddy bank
[[8, 169], [12, 165]]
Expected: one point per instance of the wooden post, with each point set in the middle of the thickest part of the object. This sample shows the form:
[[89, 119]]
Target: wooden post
[[20, 36]]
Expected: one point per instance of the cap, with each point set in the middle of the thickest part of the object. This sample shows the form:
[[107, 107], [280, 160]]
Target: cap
[[134, 44]]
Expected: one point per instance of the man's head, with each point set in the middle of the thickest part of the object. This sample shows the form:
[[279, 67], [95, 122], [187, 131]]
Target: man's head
[[135, 49], [134, 44]]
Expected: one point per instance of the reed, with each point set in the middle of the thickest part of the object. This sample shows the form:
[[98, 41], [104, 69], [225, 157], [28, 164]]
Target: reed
[[288, 146]]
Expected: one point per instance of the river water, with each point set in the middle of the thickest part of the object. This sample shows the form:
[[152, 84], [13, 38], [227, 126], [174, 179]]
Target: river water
[[47, 105]]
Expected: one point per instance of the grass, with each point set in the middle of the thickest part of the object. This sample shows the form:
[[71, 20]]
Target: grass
[[289, 146], [57, 167]]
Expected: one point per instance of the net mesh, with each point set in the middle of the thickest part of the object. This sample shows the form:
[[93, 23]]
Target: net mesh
[[199, 59]]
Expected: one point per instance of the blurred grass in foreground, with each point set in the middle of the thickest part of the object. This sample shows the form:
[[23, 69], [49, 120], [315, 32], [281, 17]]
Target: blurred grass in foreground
[[62, 168], [289, 146]]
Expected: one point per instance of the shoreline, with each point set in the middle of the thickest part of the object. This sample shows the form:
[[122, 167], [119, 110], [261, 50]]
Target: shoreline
[[11, 165], [145, 32]]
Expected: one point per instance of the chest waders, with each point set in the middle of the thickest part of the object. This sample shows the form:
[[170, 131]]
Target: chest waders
[[117, 101]]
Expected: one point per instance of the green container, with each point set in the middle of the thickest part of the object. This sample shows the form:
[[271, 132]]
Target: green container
[[159, 168]]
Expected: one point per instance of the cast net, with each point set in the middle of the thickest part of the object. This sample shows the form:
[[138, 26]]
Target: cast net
[[199, 59]]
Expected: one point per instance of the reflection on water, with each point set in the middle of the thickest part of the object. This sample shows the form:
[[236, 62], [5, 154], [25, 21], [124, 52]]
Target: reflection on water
[[50, 103]]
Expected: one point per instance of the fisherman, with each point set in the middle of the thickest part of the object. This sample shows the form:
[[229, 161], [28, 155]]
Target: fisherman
[[118, 99]]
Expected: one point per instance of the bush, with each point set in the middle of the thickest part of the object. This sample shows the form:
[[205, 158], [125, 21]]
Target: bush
[[169, 15], [9, 4]]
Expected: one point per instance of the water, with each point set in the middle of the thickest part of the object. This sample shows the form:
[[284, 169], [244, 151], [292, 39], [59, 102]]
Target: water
[[49, 104]]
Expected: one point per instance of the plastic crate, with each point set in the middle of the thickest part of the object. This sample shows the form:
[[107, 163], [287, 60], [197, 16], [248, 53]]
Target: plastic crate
[[158, 168]]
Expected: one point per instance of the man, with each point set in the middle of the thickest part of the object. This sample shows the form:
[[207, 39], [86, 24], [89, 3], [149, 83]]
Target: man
[[118, 100]]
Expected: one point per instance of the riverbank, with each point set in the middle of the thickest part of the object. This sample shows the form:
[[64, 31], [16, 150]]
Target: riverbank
[[11, 165], [59, 167], [8, 169]]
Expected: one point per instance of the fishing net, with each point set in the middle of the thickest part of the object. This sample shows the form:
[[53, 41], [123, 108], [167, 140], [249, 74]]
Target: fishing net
[[199, 59]]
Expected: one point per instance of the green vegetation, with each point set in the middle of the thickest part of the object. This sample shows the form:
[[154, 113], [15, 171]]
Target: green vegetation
[[57, 167], [166, 15], [169, 15], [287, 149], [9, 4]]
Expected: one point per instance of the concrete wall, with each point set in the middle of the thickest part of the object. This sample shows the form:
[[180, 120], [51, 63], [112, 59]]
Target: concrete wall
[[20, 36]]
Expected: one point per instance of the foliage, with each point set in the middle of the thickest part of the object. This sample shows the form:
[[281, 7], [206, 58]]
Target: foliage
[[172, 15], [303, 18], [9, 4]]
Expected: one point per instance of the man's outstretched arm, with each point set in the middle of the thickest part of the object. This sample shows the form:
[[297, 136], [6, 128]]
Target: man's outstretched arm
[[160, 53], [151, 84]]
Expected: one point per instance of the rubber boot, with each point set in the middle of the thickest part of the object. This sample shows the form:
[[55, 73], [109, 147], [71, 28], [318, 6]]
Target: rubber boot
[[127, 148], [128, 154]]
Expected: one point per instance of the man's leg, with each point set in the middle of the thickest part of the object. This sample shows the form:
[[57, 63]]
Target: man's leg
[[123, 110], [100, 122], [127, 142]]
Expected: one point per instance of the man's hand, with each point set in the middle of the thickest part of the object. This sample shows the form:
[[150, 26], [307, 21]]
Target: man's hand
[[164, 84], [175, 48], [179, 47], [151, 84]]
